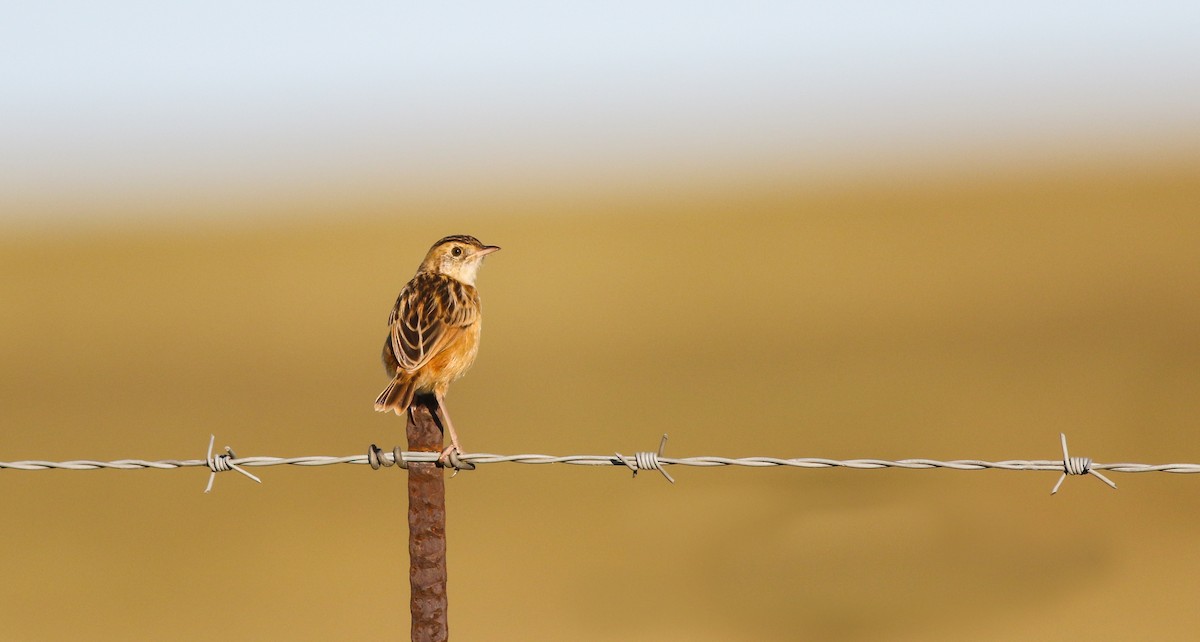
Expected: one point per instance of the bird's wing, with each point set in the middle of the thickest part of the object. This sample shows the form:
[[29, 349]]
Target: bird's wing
[[429, 314]]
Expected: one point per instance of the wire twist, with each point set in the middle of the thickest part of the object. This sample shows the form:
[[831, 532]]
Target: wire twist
[[1077, 465], [377, 458]]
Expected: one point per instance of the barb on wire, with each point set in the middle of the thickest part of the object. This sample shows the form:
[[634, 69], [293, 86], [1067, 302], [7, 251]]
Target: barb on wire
[[222, 463], [378, 458], [647, 460], [1077, 466]]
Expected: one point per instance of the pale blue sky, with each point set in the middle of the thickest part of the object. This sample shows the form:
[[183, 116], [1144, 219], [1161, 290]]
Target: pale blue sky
[[114, 98]]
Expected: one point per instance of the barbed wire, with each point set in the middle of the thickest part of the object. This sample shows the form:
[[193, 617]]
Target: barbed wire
[[642, 460]]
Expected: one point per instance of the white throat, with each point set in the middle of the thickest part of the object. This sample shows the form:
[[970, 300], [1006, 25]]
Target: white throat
[[464, 272]]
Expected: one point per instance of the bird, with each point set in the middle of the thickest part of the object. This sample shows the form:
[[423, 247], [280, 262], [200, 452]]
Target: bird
[[433, 329]]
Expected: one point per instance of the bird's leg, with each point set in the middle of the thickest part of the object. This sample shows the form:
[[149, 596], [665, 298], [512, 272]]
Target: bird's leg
[[444, 415]]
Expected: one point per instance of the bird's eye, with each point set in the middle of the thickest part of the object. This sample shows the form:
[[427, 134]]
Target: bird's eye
[[457, 251]]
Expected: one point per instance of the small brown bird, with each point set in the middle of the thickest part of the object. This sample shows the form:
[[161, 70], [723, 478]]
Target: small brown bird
[[434, 333]]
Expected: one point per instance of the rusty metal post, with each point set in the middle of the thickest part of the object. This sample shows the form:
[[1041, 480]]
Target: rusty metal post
[[426, 527]]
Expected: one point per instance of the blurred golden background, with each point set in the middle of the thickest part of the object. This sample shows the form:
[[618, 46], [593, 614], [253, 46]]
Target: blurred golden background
[[957, 292]]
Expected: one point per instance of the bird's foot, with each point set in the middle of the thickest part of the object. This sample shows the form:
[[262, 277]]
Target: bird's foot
[[449, 459]]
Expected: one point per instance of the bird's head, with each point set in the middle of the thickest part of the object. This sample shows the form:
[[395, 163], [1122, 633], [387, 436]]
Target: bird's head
[[458, 257]]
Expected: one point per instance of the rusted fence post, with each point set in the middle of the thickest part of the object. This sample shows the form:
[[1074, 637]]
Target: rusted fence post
[[426, 527]]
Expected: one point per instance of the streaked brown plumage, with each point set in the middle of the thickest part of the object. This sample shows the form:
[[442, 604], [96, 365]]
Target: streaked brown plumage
[[434, 328]]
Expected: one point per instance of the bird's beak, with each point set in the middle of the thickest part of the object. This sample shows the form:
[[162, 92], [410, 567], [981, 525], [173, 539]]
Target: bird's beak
[[488, 249]]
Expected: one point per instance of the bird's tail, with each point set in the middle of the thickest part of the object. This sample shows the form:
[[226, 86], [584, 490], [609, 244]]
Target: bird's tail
[[398, 396]]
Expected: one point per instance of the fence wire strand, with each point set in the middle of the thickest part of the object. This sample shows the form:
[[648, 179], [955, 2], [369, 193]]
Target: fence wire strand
[[647, 460]]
